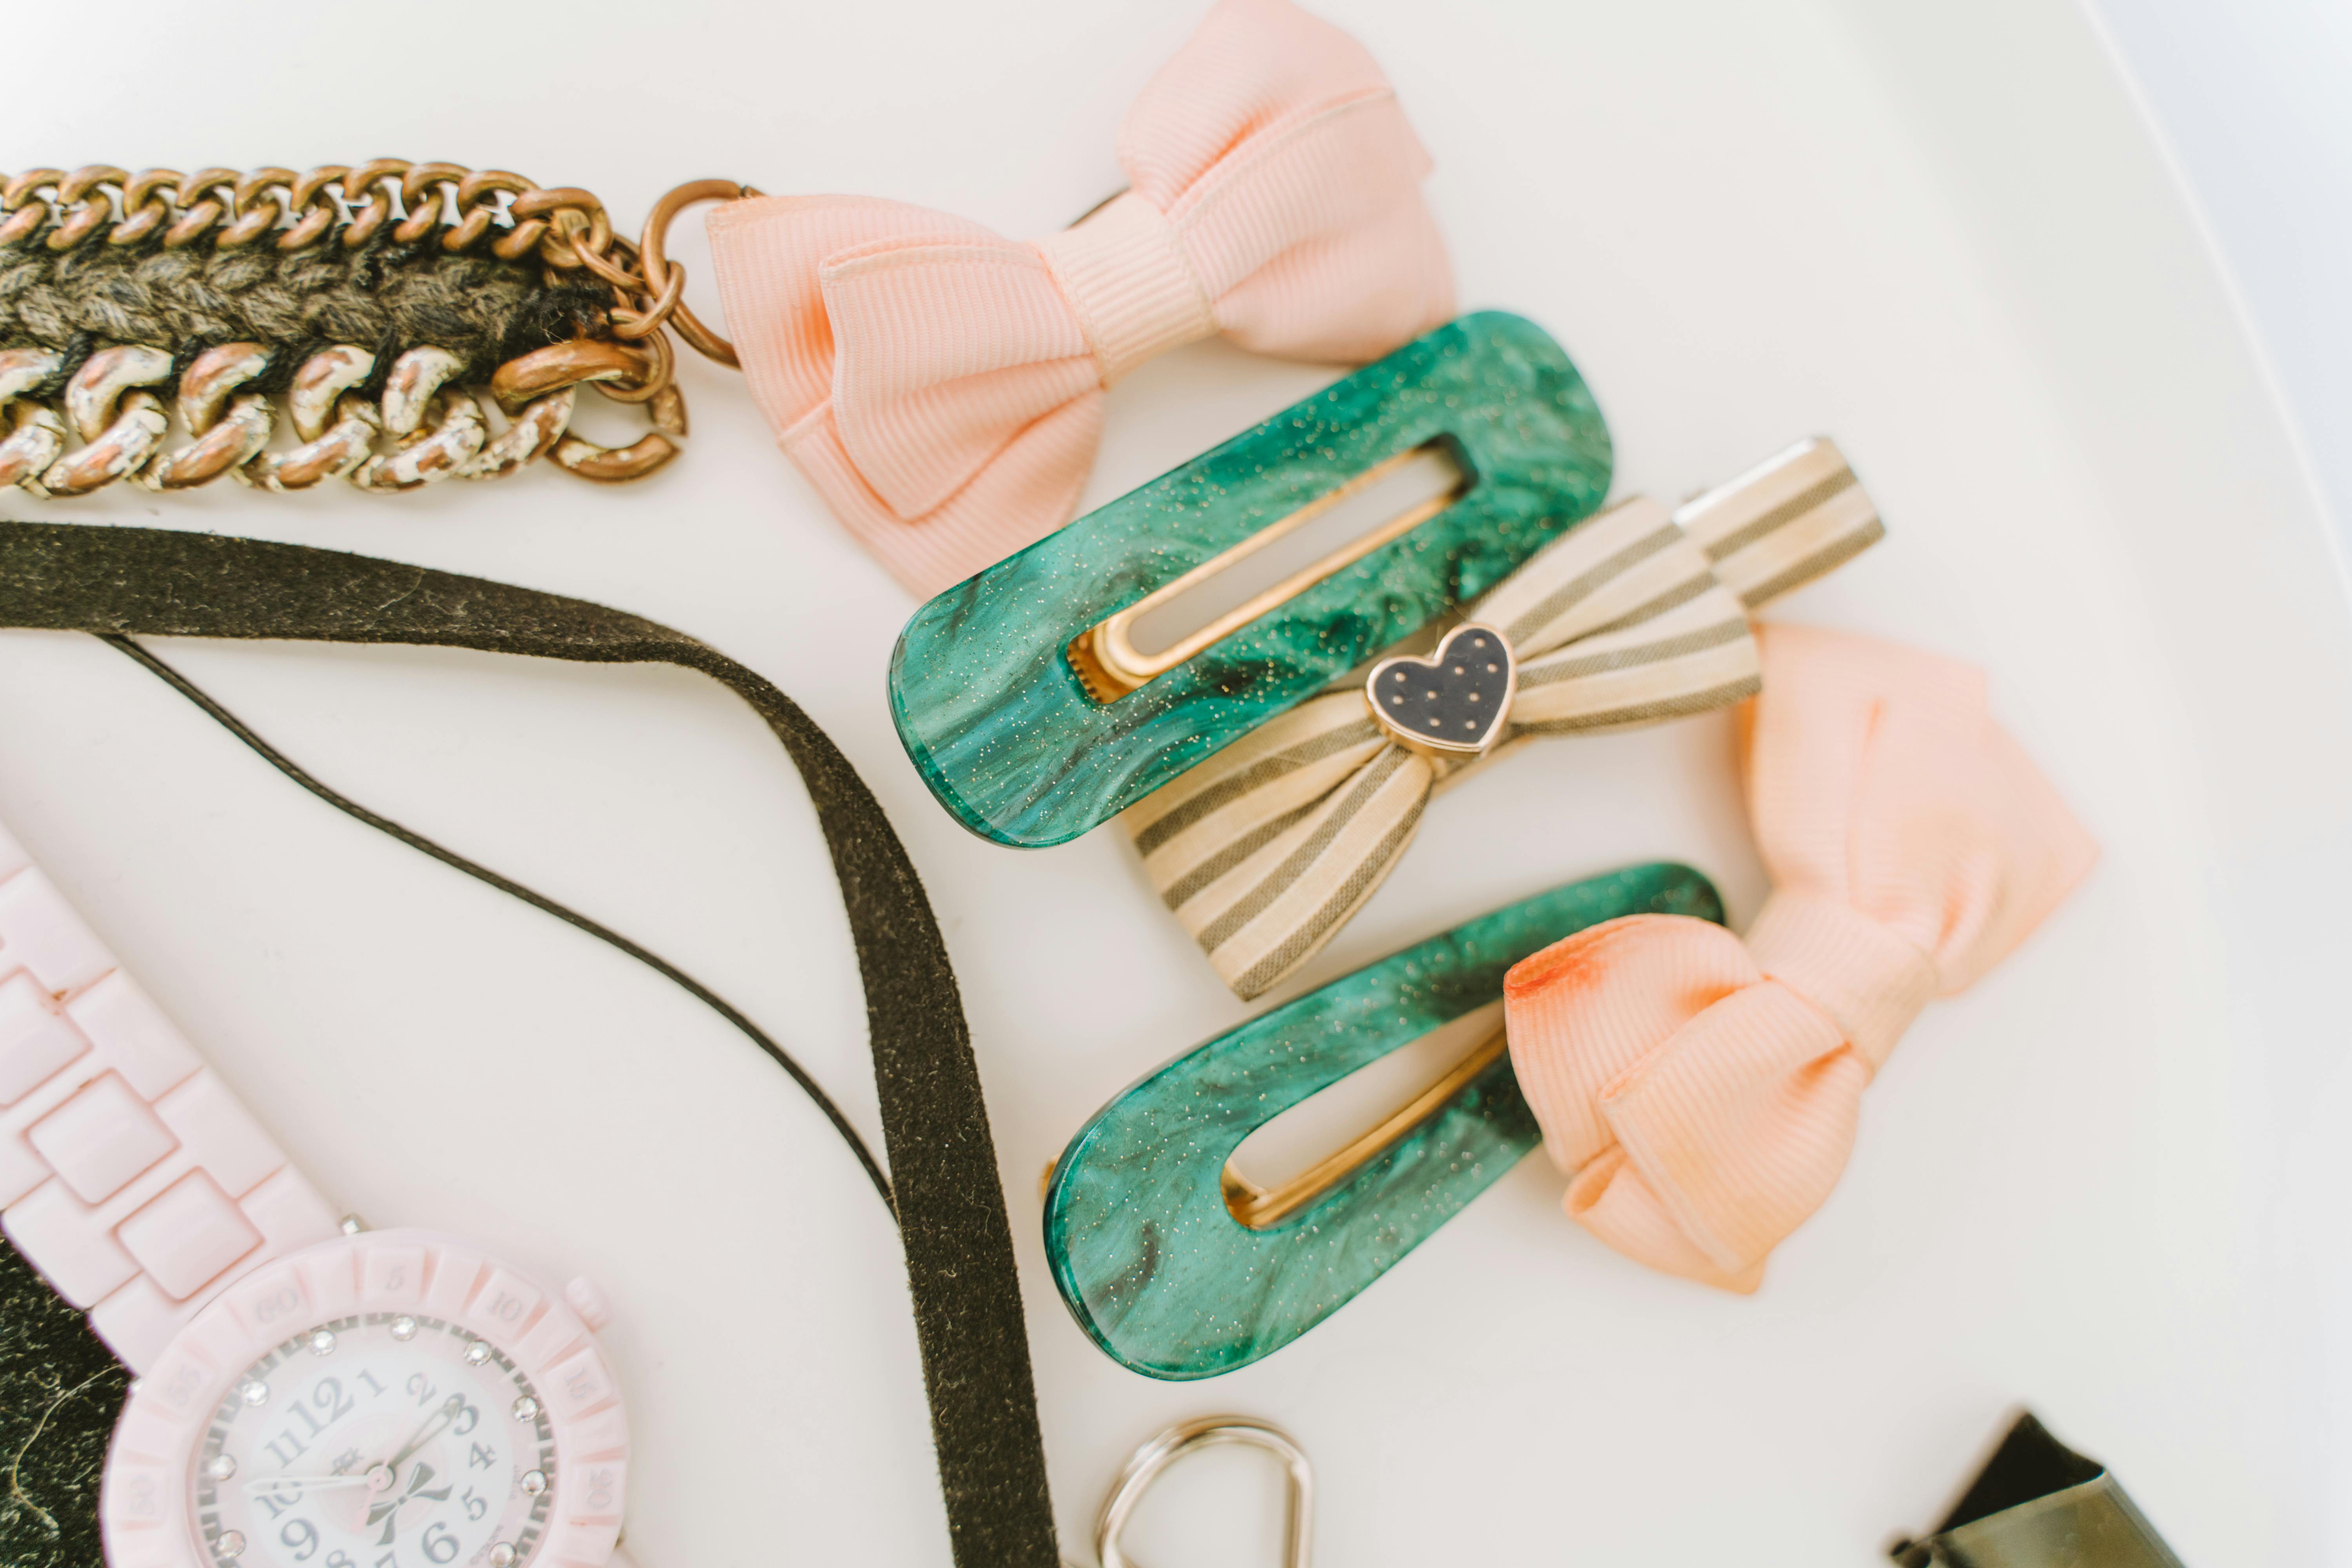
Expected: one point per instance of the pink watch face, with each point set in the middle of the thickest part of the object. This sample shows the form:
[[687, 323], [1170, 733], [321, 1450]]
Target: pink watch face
[[383, 1440], [392, 1399]]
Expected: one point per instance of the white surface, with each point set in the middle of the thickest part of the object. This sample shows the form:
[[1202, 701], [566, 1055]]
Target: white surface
[[2251, 102], [1938, 233]]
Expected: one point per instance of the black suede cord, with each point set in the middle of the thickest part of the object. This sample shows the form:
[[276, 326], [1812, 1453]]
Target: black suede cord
[[128, 582]]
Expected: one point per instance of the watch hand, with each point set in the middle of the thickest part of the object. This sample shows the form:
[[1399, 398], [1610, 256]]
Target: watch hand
[[433, 1427], [274, 1482]]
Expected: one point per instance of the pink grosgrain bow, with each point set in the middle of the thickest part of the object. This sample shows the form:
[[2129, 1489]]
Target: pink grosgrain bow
[[1703, 1092], [942, 387]]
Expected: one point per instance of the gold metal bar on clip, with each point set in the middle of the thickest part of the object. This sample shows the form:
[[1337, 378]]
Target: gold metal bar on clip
[[1109, 664], [1258, 1207]]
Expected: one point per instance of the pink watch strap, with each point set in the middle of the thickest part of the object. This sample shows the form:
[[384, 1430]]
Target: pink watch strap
[[129, 1176]]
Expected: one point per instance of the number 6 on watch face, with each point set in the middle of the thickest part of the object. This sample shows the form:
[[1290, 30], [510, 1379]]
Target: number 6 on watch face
[[388, 1400]]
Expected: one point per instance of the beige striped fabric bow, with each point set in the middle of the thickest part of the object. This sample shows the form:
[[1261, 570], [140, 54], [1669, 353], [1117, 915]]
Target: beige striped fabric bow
[[1265, 850]]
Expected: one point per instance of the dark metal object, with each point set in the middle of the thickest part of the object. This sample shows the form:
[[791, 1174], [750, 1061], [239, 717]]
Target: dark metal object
[[2039, 1504]]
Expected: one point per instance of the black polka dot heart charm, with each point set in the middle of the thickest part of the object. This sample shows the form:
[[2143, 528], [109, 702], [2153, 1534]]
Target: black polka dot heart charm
[[1454, 701]]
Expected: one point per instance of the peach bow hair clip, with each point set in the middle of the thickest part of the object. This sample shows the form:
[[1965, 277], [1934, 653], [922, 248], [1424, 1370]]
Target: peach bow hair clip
[[1701, 1091], [942, 387]]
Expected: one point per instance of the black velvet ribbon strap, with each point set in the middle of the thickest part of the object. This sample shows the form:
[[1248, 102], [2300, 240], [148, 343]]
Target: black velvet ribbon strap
[[128, 582]]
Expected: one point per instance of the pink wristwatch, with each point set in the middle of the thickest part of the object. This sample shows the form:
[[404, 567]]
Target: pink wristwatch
[[309, 1394]]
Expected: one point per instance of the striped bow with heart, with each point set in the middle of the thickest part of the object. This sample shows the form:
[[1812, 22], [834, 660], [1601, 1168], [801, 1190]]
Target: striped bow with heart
[[1268, 847]]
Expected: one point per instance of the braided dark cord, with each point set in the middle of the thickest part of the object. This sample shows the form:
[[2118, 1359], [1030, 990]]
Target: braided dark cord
[[383, 295]]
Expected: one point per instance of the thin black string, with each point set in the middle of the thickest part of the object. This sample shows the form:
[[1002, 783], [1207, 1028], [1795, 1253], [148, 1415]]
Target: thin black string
[[480, 873]]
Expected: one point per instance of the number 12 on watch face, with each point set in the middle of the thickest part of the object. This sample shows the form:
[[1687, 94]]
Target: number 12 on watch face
[[387, 1440]]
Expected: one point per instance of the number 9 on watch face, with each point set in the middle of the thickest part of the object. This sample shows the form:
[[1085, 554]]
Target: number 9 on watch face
[[389, 1400]]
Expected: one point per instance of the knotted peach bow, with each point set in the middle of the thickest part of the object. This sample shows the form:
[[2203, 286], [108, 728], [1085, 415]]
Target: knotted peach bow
[[942, 387], [1703, 1092]]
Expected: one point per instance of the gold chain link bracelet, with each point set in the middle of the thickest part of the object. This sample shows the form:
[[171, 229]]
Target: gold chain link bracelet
[[374, 300]]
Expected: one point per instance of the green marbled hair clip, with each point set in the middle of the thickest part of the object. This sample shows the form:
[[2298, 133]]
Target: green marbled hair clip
[[1180, 1268], [1022, 694]]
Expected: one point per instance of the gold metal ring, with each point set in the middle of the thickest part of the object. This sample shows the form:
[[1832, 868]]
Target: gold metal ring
[[670, 304]]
